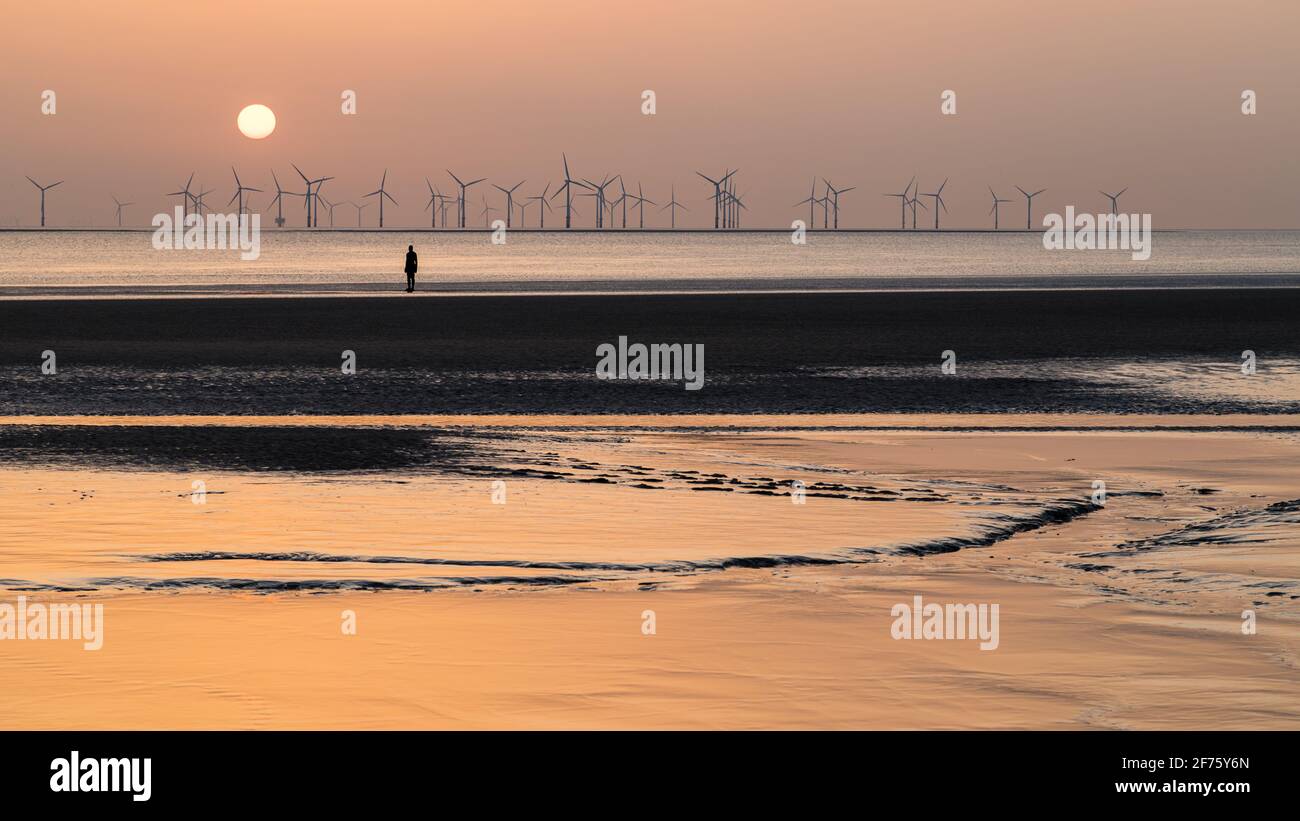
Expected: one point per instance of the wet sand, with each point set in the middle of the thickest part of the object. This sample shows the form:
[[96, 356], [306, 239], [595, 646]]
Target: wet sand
[[1121, 615]]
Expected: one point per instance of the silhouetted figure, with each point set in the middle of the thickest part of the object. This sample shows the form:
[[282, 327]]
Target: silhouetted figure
[[412, 263]]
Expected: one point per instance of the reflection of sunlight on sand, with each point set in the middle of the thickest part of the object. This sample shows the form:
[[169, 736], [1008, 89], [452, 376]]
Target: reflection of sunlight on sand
[[802, 646]]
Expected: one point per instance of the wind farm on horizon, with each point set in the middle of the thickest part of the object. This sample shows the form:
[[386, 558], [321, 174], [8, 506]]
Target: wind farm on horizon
[[609, 212]]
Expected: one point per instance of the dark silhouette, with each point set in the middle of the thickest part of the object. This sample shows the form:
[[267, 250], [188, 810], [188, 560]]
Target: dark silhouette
[[412, 264]]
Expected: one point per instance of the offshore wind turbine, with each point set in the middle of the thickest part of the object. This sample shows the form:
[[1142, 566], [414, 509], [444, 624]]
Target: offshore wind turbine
[[510, 198], [835, 203], [240, 188], [460, 203], [120, 206], [717, 195], [359, 208], [381, 193], [738, 203], [543, 204], [623, 198], [198, 200], [915, 201], [674, 205], [902, 200], [639, 196], [938, 203], [994, 210], [487, 212], [1029, 206], [812, 202], [278, 200], [1114, 199], [567, 188], [599, 193], [313, 198], [435, 198], [184, 193]]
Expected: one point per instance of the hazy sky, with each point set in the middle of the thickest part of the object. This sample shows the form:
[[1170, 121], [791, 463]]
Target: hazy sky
[[1071, 97]]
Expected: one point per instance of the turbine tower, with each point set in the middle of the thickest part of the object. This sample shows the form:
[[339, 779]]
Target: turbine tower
[[120, 206], [674, 205], [185, 195], [903, 200], [460, 203], [938, 203], [994, 210], [1029, 206], [835, 202], [543, 204], [381, 193], [278, 201], [1114, 199], [510, 198], [240, 188], [313, 197], [641, 200], [567, 188], [717, 196]]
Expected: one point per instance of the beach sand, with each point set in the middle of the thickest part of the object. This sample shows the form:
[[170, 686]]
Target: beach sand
[[1106, 619]]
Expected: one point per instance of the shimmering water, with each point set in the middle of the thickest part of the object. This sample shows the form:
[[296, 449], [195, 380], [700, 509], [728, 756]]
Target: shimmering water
[[63, 262]]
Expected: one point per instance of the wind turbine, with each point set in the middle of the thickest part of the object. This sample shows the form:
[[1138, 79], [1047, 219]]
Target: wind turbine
[[198, 201], [994, 209], [510, 198], [567, 188], [717, 195], [240, 188], [543, 204], [431, 207], [640, 205], [674, 205], [836, 201], [938, 203], [331, 206], [915, 201], [600, 198], [1029, 206], [120, 206], [184, 193], [381, 193], [359, 208], [313, 198], [278, 201], [622, 199], [1114, 199], [739, 203], [903, 198], [487, 213], [460, 205]]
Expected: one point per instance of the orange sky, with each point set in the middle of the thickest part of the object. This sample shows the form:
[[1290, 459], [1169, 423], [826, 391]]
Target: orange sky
[[1071, 97]]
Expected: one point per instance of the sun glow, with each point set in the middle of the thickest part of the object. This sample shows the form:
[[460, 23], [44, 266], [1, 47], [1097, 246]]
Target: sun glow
[[256, 121]]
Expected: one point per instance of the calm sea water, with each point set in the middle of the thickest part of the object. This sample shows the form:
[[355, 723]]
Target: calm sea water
[[79, 262]]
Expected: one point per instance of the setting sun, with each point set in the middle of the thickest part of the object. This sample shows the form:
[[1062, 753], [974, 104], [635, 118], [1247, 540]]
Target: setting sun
[[256, 121]]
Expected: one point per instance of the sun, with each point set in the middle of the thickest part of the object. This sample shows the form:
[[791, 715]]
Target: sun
[[256, 121]]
